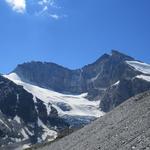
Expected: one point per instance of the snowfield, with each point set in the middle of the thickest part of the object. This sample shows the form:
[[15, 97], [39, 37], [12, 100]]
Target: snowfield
[[77, 105], [142, 67], [144, 77], [139, 66]]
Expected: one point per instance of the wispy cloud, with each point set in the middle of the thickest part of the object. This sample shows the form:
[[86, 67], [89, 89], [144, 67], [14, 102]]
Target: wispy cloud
[[46, 2], [54, 16], [47, 8], [17, 5]]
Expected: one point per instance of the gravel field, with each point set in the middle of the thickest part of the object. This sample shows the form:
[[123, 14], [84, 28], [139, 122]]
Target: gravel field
[[127, 127]]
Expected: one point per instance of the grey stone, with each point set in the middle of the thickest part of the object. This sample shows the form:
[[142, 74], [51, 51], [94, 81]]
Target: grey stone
[[126, 127]]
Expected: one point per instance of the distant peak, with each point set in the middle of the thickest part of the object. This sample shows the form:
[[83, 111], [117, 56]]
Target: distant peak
[[102, 58], [116, 53]]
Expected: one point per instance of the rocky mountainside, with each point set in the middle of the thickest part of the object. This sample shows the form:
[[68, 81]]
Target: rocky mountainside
[[96, 79], [46, 100], [124, 89], [24, 118], [30, 114], [76, 110], [107, 70], [126, 127]]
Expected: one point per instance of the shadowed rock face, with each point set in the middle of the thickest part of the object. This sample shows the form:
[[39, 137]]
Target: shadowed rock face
[[107, 70], [51, 76], [126, 88], [14, 100], [126, 127], [19, 115]]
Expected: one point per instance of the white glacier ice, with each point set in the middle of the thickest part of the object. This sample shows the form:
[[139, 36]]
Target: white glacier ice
[[80, 106], [140, 66]]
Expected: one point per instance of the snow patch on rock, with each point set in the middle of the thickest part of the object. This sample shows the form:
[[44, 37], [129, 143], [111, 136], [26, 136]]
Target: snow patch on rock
[[140, 66], [144, 77], [48, 134]]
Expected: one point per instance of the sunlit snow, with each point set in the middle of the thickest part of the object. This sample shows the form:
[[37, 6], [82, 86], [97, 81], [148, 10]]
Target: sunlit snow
[[48, 134], [80, 106], [139, 66], [144, 77]]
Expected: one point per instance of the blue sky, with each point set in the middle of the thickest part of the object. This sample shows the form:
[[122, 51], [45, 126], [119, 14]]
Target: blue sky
[[72, 33]]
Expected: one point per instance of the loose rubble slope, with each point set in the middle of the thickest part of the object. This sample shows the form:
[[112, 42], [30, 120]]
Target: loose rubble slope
[[126, 127]]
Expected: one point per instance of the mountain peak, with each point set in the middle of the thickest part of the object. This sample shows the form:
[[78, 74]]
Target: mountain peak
[[102, 58], [116, 53]]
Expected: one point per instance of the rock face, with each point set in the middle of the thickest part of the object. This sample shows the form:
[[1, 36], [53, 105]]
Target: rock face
[[122, 91], [24, 118], [17, 111], [107, 70], [14, 100], [51, 76], [126, 127]]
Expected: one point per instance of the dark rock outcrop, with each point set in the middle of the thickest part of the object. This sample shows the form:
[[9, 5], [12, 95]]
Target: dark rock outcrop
[[14, 100], [19, 115], [42, 111], [126, 88], [51, 76]]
